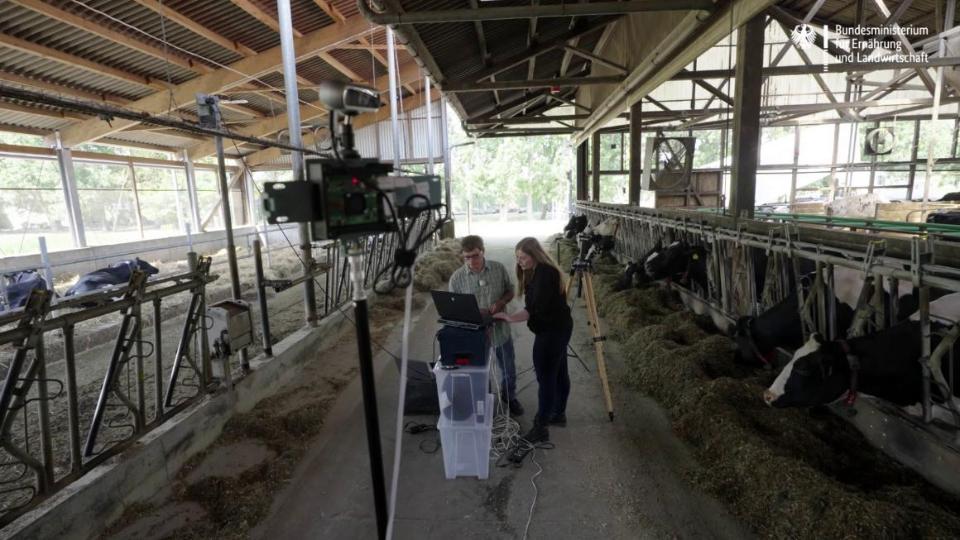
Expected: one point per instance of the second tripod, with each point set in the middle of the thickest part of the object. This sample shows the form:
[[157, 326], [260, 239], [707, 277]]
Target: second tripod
[[581, 270]]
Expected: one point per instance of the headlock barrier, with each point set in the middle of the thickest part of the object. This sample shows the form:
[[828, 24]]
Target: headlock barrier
[[754, 264]]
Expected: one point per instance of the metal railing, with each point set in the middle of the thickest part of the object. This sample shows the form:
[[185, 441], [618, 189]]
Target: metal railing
[[64, 408], [885, 262]]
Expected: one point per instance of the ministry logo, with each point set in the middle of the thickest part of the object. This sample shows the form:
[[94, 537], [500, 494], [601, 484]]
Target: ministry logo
[[803, 36]]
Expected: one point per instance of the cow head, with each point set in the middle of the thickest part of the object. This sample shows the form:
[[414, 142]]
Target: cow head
[[139, 264], [747, 351], [680, 261], [696, 272], [817, 374], [665, 262], [574, 226]]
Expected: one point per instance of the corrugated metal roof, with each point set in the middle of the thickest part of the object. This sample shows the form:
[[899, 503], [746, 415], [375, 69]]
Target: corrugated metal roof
[[39, 121], [363, 63], [316, 69], [307, 17], [161, 138], [39, 29], [229, 21], [347, 8], [29, 65]]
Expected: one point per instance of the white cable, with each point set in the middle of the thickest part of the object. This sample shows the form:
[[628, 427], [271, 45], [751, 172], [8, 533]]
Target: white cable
[[404, 357], [506, 430], [536, 491]]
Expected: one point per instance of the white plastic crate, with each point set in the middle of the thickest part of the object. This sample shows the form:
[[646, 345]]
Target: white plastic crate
[[466, 449], [462, 393]]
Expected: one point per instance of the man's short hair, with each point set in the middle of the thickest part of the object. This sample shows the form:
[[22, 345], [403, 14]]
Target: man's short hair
[[470, 243]]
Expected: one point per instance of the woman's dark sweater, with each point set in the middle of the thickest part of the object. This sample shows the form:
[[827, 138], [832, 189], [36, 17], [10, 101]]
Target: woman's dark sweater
[[545, 302]]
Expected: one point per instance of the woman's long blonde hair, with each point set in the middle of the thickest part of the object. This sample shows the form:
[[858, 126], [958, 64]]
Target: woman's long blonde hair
[[531, 246]]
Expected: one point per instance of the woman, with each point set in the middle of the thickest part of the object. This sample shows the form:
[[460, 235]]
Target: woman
[[548, 317]]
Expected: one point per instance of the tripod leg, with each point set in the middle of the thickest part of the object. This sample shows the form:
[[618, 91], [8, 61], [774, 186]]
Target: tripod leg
[[569, 286], [598, 342]]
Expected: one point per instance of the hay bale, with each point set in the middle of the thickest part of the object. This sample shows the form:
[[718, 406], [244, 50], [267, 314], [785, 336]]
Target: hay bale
[[755, 468], [783, 472], [434, 268]]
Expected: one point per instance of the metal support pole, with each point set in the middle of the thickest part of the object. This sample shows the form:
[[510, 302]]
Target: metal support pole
[[582, 172], [136, 199], [296, 158], [937, 93], [68, 181], [355, 258], [447, 169], [796, 160], [595, 167], [394, 121], [45, 261], [192, 192], [262, 299], [73, 398], [228, 229], [176, 199], [157, 361], [636, 154], [746, 117], [925, 347], [426, 91]]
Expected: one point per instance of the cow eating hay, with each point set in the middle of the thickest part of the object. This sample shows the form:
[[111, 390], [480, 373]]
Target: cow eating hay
[[786, 473]]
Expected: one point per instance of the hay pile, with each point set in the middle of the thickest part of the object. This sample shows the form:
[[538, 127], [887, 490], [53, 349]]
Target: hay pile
[[785, 473], [435, 267]]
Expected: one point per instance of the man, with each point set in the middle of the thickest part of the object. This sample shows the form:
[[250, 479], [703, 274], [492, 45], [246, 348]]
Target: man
[[490, 283]]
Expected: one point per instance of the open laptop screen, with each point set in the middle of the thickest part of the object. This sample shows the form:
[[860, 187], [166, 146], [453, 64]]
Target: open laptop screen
[[459, 307]]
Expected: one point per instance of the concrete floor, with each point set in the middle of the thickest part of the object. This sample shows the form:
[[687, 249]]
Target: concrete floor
[[603, 480]]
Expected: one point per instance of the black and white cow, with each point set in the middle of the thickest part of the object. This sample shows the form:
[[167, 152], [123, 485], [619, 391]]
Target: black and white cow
[[19, 285], [574, 226], [951, 197], [634, 274], [944, 218], [115, 274], [884, 364], [758, 337], [681, 262]]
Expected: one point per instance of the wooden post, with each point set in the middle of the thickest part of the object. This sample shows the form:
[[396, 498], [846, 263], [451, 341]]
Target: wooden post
[[746, 117]]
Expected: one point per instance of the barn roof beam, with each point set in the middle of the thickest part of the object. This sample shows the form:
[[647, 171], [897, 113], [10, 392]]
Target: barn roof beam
[[361, 121], [237, 73], [203, 31], [529, 12], [408, 72], [596, 59], [105, 32], [852, 67], [532, 83], [258, 13]]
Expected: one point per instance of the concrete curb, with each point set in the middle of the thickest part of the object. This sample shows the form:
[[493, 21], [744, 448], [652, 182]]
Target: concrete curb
[[85, 507]]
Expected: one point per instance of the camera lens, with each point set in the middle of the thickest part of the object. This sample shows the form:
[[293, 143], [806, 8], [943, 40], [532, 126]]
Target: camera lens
[[355, 204]]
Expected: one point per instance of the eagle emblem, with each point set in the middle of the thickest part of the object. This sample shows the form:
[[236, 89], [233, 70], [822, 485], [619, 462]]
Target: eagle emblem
[[803, 36]]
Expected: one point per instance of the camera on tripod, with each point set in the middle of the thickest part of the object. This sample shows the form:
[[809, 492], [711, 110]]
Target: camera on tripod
[[592, 244], [346, 196]]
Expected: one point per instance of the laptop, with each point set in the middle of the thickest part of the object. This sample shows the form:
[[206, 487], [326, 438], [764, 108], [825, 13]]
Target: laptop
[[460, 310]]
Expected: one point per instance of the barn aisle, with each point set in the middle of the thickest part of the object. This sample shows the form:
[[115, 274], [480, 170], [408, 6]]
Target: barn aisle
[[611, 480]]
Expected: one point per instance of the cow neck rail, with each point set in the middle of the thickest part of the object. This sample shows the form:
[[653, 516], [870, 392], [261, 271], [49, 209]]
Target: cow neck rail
[[109, 305], [840, 248]]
